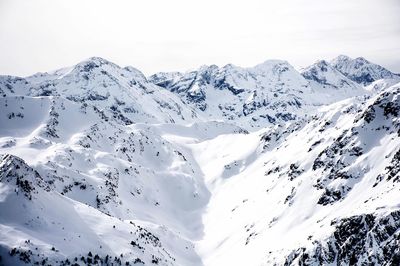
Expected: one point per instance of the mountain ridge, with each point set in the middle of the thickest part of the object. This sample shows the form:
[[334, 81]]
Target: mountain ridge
[[240, 166]]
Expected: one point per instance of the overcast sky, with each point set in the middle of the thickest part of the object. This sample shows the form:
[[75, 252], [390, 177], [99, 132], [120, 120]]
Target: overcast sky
[[167, 35]]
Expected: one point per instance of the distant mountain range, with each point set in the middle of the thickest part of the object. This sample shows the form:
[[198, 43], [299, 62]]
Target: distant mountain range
[[267, 165]]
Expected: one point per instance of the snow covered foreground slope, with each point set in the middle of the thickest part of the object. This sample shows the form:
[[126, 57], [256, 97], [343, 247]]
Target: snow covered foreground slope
[[109, 189], [84, 180], [318, 192]]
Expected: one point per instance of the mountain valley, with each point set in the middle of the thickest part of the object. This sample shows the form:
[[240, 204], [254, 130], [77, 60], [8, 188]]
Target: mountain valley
[[266, 165]]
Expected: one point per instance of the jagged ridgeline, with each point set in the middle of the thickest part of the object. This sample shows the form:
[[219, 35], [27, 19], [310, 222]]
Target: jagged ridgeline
[[267, 165]]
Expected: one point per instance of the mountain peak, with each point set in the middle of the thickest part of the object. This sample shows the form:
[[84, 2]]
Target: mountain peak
[[361, 59], [94, 62], [271, 62], [273, 66], [207, 68], [97, 60], [7, 160], [341, 58], [230, 66], [323, 73], [320, 65], [361, 70]]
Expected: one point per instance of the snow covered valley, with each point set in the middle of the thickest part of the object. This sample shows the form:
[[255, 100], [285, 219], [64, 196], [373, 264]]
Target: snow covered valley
[[268, 165]]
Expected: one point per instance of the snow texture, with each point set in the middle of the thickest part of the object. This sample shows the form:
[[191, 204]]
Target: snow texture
[[100, 165]]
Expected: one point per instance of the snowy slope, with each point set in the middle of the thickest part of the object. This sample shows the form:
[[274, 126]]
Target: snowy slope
[[116, 173], [40, 225], [303, 199], [229, 166], [270, 93]]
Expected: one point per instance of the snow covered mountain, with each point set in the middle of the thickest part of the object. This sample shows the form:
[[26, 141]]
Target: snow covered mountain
[[332, 81], [361, 70], [122, 93], [219, 166], [270, 93]]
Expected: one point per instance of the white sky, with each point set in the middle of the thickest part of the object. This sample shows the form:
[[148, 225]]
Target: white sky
[[167, 35]]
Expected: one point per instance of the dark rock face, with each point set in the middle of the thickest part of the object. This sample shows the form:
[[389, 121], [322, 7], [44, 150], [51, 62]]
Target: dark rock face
[[333, 162], [393, 170], [330, 196], [364, 78], [388, 102], [196, 97], [223, 84], [366, 239], [333, 167]]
